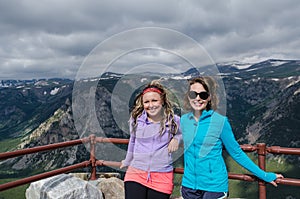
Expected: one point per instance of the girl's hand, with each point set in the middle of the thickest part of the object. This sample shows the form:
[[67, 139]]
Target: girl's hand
[[173, 145], [277, 176], [122, 164]]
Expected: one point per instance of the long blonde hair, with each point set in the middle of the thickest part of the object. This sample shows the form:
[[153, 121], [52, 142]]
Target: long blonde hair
[[168, 114]]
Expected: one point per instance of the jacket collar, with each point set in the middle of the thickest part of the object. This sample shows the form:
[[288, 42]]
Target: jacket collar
[[204, 114], [143, 117]]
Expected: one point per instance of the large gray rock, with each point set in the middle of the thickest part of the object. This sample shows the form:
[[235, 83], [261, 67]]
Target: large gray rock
[[112, 187], [62, 186], [109, 184]]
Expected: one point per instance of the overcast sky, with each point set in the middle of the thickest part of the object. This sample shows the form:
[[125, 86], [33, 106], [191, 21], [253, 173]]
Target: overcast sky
[[54, 38]]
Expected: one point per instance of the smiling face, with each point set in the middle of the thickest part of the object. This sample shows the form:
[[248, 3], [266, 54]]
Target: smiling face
[[197, 103], [152, 103]]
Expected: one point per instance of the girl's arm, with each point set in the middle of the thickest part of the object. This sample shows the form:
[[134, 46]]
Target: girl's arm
[[129, 155], [130, 148], [235, 151]]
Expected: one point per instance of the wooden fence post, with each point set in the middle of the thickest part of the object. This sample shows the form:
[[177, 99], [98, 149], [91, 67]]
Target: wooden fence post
[[92, 157], [261, 151]]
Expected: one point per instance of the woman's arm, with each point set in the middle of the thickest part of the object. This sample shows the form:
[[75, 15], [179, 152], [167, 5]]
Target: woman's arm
[[130, 148], [129, 154], [235, 151]]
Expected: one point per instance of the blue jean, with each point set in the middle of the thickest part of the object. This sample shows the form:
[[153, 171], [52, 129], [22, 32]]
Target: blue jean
[[188, 193]]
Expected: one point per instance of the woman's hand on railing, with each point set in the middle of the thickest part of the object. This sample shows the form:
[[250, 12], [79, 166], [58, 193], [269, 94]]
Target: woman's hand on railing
[[274, 181], [122, 164]]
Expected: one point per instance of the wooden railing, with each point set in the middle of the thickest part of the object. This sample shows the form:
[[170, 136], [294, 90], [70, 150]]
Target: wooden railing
[[260, 148]]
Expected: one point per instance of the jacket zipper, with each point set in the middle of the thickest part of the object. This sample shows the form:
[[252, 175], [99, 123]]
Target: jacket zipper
[[195, 161]]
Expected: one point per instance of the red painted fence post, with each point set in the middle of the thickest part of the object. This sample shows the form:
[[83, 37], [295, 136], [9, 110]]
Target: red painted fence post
[[261, 151], [92, 156]]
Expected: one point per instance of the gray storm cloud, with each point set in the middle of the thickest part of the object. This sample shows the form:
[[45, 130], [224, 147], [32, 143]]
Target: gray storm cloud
[[44, 39]]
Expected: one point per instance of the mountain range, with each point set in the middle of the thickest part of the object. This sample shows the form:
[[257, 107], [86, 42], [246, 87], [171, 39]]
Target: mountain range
[[262, 102]]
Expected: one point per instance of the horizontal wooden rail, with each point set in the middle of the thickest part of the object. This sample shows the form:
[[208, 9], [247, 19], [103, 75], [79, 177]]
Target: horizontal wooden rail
[[248, 148], [283, 150], [288, 181], [111, 140], [43, 175], [243, 177], [20, 152], [233, 176], [260, 149], [251, 178]]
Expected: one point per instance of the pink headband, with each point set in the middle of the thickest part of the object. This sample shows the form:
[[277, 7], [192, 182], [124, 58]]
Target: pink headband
[[152, 90]]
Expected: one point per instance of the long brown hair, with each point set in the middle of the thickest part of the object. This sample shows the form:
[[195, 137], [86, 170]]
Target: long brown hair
[[168, 114], [210, 86]]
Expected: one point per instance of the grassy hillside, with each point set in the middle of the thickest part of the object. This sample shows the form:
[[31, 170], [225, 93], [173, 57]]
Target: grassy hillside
[[15, 193], [249, 190], [9, 144]]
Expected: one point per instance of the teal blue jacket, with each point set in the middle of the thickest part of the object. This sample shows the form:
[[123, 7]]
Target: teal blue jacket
[[204, 166]]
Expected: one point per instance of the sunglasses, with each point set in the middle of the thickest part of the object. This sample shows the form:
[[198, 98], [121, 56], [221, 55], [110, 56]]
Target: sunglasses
[[203, 95]]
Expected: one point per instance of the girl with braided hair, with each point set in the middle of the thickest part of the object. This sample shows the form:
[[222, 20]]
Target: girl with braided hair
[[154, 135]]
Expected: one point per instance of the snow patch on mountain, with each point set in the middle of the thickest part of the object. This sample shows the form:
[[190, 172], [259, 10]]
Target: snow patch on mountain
[[278, 62], [54, 91]]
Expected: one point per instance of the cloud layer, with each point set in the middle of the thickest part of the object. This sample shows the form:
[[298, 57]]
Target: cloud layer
[[44, 39]]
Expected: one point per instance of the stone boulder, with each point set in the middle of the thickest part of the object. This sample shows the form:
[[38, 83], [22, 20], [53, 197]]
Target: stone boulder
[[63, 186], [109, 183], [112, 187]]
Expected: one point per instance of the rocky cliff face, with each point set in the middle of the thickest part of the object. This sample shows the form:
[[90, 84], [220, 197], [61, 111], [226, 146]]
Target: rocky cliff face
[[57, 128], [262, 106], [24, 105], [267, 108]]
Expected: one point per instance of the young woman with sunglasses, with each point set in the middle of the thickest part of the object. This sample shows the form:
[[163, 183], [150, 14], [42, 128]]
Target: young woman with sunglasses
[[204, 133], [154, 135]]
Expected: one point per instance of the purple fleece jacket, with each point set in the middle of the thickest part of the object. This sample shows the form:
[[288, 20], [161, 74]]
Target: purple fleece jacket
[[147, 149]]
